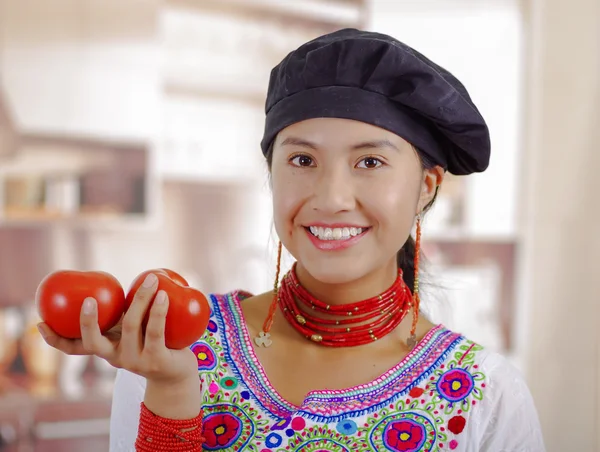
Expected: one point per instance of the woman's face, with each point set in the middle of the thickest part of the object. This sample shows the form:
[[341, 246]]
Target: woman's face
[[345, 196]]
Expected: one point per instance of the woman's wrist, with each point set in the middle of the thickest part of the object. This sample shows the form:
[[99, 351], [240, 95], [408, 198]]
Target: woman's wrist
[[174, 400]]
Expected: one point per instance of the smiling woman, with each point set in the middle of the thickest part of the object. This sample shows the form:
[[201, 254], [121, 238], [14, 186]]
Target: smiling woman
[[334, 174], [360, 130]]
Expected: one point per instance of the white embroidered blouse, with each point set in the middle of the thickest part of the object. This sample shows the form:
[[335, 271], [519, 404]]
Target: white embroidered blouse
[[447, 394]]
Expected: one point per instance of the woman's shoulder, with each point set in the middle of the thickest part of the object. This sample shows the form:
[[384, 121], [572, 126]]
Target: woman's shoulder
[[494, 366], [507, 385], [505, 416]]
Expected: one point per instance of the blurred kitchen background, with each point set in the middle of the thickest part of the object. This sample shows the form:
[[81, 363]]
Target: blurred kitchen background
[[129, 139]]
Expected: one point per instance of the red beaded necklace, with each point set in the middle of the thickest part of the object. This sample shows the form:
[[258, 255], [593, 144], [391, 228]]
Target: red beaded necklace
[[345, 325]]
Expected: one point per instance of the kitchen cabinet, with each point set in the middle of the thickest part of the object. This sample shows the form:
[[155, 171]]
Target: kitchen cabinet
[[89, 183]]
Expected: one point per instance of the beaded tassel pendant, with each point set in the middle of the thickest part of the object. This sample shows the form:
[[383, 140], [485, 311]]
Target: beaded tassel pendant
[[264, 337], [411, 342]]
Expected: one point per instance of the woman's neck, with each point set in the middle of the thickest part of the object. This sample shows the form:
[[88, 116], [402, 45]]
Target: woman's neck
[[368, 286]]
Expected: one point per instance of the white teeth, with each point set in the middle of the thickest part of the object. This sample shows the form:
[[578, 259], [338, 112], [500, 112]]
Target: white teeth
[[335, 233]]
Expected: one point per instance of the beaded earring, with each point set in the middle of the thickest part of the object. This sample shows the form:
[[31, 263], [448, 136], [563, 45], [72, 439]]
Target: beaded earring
[[264, 337], [412, 340]]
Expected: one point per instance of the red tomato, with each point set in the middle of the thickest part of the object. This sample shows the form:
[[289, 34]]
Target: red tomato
[[60, 295], [174, 276], [188, 314]]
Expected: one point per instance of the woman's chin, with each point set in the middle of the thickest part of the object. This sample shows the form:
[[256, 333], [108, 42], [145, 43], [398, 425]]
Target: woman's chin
[[330, 273]]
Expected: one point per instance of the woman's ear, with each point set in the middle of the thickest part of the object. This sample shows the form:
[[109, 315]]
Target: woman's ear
[[432, 179]]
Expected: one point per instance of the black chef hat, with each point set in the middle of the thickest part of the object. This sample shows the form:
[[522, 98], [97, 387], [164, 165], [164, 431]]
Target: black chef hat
[[374, 78]]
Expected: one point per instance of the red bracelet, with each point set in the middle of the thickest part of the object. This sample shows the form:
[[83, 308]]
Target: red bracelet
[[156, 434]]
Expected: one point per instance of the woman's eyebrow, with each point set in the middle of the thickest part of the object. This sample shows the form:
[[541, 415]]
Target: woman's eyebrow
[[294, 141], [371, 144], [376, 144]]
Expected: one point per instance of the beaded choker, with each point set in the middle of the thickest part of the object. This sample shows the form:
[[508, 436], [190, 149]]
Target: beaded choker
[[392, 305], [343, 325]]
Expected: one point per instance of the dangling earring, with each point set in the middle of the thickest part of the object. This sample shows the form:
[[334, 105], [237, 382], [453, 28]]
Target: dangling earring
[[412, 340], [264, 337]]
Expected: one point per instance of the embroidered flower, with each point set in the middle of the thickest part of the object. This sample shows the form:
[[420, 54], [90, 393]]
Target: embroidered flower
[[457, 424], [416, 392], [213, 388], [229, 383], [221, 430], [455, 385], [405, 435], [453, 444], [298, 423], [399, 429], [212, 326], [347, 427], [282, 424], [273, 440], [205, 356]]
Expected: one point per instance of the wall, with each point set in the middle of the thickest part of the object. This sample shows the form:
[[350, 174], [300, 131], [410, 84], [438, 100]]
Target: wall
[[82, 67], [480, 42], [552, 121], [560, 222]]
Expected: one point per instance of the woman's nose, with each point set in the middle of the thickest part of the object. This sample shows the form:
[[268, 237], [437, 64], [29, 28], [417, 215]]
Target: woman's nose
[[334, 191]]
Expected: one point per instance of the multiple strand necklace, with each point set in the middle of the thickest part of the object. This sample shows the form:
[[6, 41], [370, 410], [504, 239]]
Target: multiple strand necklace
[[343, 325]]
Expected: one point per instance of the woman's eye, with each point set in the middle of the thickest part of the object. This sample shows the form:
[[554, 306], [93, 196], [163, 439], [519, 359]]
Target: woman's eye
[[302, 160], [370, 163]]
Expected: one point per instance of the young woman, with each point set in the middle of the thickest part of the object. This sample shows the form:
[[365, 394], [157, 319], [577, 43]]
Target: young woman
[[360, 130]]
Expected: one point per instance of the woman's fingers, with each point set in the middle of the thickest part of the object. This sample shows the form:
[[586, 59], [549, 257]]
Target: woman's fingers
[[154, 342], [131, 339], [68, 346], [91, 337]]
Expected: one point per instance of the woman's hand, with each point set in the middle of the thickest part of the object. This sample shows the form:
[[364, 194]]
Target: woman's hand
[[124, 346]]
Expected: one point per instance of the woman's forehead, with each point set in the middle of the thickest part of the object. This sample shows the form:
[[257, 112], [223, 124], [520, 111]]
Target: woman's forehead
[[343, 133]]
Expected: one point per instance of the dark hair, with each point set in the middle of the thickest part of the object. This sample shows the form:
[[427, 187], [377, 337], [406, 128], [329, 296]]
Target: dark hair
[[406, 256]]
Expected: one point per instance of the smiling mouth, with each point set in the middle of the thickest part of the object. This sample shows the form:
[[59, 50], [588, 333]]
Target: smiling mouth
[[344, 233]]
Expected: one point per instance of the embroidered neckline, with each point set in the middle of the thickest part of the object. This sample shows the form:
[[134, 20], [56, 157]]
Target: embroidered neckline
[[237, 343]]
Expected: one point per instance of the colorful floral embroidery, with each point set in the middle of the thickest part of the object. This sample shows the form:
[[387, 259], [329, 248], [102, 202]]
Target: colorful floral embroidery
[[455, 385], [405, 428], [229, 383], [347, 427], [205, 356], [232, 424], [322, 439], [416, 392], [457, 424], [421, 404], [221, 430], [274, 440], [405, 435], [212, 326], [282, 424]]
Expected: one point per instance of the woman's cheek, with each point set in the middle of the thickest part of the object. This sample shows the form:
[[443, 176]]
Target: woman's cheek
[[394, 206], [285, 207]]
